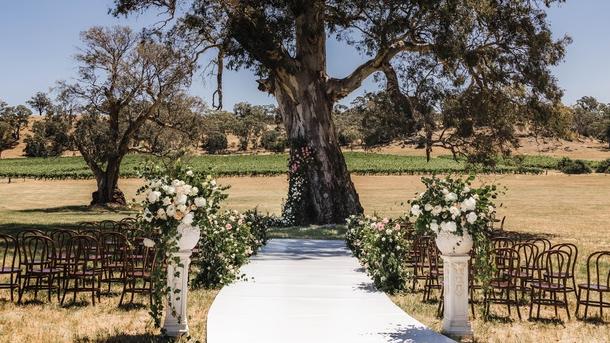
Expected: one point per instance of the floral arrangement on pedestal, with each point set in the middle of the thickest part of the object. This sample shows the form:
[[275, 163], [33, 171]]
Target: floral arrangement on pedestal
[[178, 204], [454, 211], [382, 247]]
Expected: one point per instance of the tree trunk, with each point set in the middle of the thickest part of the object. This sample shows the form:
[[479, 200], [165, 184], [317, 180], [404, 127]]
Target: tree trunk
[[329, 195], [107, 192]]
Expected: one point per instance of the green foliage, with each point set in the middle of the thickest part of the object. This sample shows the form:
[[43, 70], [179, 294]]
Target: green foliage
[[50, 137], [382, 247], [361, 163], [569, 166], [40, 102], [591, 117], [259, 227], [251, 122], [603, 167], [215, 143], [274, 141], [225, 245]]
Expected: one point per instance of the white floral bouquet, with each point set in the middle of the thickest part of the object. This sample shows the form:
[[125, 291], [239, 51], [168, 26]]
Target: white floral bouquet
[[176, 202], [452, 205]]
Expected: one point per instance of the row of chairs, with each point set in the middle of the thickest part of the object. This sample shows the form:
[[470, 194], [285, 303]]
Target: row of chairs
[[536, 268], [72, 261]]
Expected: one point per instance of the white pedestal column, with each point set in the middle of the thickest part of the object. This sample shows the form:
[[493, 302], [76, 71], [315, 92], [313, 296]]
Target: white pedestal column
[[176, 323], [455, 316]]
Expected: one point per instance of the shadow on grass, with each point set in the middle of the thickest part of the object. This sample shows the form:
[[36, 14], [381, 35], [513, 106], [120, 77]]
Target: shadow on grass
[[131, 307], [78, 208], [310, 232], [522, 236], [14, 228]]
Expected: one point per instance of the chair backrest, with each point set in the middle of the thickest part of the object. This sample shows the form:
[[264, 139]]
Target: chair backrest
[[506, 262], [572, 251], [554, 266], [87, 226], [141, 257], [82, 252], [61, 238], [528, 252], [128, 222], [114, 247], [542, 243], [9, 249], [28, 232], [600, 262], [95, 233], [502, 242], [38, 252], [108, 225], [432, 257]]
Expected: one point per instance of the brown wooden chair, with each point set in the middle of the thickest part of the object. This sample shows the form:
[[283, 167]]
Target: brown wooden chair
[[418, 259], [502, 287], [115, 249], [528, 252], [108, 225], [551, 281], [61, 239], [502, 242], [542, 243], [572, 251], [28, 232], [9, 251], [598, 281], [38, 253], [138, 267], [82, 272], [434, 271]]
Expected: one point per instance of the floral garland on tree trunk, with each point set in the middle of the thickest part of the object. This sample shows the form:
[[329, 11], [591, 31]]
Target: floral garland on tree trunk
[[295, 209]]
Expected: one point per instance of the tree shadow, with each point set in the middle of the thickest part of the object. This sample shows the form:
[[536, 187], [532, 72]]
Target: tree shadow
[[127, 307], [126, 338], [79, 209]]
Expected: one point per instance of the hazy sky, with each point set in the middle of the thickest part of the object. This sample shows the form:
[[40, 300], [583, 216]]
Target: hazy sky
[[38, 39]]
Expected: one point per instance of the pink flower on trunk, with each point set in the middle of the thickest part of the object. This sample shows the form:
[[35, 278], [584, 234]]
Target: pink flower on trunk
[[229, 226]]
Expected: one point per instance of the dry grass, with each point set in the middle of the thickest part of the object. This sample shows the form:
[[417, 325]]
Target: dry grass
[[561, 207]]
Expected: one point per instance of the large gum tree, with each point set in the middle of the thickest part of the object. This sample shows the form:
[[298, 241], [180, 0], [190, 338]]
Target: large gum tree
[[475, 46]]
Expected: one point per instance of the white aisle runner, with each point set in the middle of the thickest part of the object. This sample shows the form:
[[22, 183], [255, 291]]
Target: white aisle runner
[[309, 291]]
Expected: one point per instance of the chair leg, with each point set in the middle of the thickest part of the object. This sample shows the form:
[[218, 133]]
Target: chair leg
[[587, 304], [555, 303], [565, 300], [517, 304], [577, 302]]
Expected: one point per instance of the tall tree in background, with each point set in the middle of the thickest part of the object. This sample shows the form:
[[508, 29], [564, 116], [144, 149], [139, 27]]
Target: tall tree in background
[[124, 80], [12, 120], [40, 102], [479, 47]]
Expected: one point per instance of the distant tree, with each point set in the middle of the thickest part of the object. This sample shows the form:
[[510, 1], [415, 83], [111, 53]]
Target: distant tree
[[251, 122], [174, 129], [473, 49], [50, 137], [274, 140], [40, 102], [218, 121], [590, 117], [123, 80], [12, 120], [608, 134], [215, 142]]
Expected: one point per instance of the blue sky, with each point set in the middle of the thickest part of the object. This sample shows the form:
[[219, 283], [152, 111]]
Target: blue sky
[[38, 39]]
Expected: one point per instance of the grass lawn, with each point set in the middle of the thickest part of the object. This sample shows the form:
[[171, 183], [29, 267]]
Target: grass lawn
[[362, 163], [560, 207]]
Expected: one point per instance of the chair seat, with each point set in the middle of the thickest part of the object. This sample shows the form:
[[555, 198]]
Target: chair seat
[[8, 270], [45, 271], [84, 273], [549, 286], [595, 287], [138, 274], [500, 284]]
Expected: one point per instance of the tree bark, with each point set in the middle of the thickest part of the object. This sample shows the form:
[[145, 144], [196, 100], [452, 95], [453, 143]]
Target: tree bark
[[108, 192], [306, 110]]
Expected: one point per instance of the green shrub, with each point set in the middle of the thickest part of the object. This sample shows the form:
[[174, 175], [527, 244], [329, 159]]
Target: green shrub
[[259, 225], [603, 167], [382, 248], [569, 166], [216, 142], [347, 137], [273, 141], [50, 138]]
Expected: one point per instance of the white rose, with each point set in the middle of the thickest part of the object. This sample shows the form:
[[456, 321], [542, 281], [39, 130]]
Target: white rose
[[213, 183], [189, 173], [437, 210], [181, 199], [455, 212], [149, 243], [200, 202], [161, 214], [415, 210], [471, 217], [468, 204], [154, 196], [170, 190], [428, 207], [491, 209], [434, 227], [194, 191], [445, 191], [181, 208], [167, 201], [170, 210], [147, 215], [188, 219], [451, 197], [466, 189], [186, 189], [449, 226]]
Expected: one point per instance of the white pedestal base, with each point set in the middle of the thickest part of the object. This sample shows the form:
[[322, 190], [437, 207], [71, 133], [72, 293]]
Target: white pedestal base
[[176, 323], [455, 316]]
